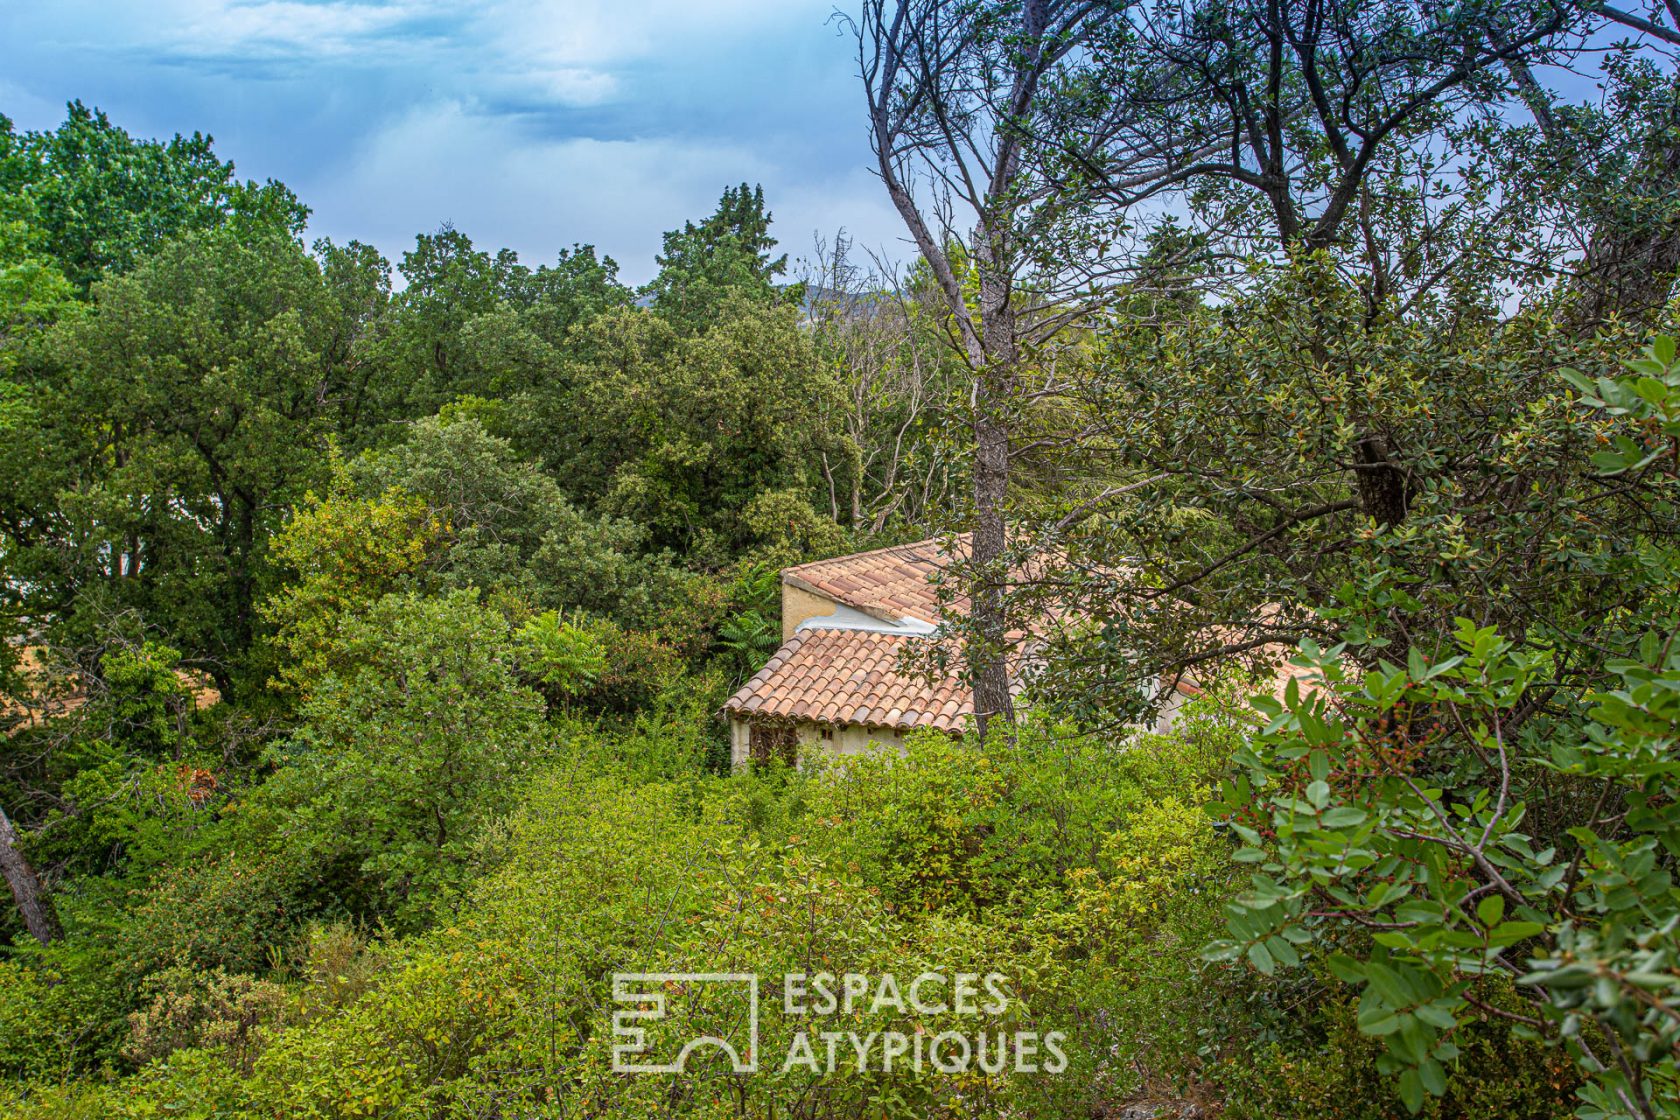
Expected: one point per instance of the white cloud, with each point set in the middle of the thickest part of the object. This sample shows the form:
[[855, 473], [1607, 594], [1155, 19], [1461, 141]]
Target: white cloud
[[444, 162], [271, 28], [566, 53], [571, 85], [529, 123], [606, 32]]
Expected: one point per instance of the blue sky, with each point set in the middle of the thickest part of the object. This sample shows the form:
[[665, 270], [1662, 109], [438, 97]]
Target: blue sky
[[528, 124]]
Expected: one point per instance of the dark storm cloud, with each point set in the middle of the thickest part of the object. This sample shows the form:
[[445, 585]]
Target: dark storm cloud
[[527, 124]]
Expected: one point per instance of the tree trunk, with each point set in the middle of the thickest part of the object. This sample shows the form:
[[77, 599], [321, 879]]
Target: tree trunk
[[988, 652], [988, 655], [1383, 493], [1630, 266], [38, 916]]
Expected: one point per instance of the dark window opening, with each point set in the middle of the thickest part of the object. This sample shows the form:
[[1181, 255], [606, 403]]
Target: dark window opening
[[766, 743]]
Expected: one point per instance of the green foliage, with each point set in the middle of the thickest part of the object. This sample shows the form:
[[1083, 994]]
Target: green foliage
[[1335, 1075], [565, 656], [1485, 827], [725, 256], [417, 738], [119, 786], [470, 322], [787, 530], [102, 200], [346, 553], [206, 1010], [509, 528], [473, 564], [1646, 399], [685, 432], [34, 293], [753, 632], [957, 826], [66, 1011], [146, 701], [1484, 498], [450, 507], [176, 421], [233, 912]]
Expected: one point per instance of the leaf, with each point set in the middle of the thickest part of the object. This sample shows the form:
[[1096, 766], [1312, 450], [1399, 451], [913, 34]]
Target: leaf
[[1411, 1091], [1512, 932], [1437, 1016], [1346, 969], [1318, 764], [1378, 1020], [1433, 1077], [1343, 816], [1283, 951]]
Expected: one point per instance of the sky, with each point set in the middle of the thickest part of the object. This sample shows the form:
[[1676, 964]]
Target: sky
[[529, 124]]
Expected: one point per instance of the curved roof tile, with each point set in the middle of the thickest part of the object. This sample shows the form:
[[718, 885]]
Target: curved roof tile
[[853, 677]]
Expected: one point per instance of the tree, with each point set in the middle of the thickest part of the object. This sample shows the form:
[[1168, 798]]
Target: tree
[[685, 430], [450, 507], [1609, 177], [729, 252], [103, 201], [32, 902], [1456, 817], [1374, 386], [1309, 108], [415, 740], [176, 421], [34, 294], [901, 384], [507, 527], [109, 782], [1652, 27], [473, 323], [956, 102], [358, 282]]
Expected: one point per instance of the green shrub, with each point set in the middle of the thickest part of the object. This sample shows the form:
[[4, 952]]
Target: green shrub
[[233, 912], [227, 1014], [1328, 1070], [950, 825]]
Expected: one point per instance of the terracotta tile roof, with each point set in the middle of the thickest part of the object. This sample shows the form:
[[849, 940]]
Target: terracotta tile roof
[[889, 583], [841, 677]]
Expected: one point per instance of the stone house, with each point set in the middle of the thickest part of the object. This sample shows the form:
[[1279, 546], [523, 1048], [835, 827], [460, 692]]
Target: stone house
[[837, 682], [849, 627]]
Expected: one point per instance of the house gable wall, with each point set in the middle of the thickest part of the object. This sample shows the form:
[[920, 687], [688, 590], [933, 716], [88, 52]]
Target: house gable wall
[[800, 605], [841, 740]]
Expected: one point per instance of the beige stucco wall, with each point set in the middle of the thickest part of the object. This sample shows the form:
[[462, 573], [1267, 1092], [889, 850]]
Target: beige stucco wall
[[799, 604], [841, 741]]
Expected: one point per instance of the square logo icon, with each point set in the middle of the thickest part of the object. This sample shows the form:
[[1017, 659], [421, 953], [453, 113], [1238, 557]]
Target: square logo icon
[[650, 996]]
